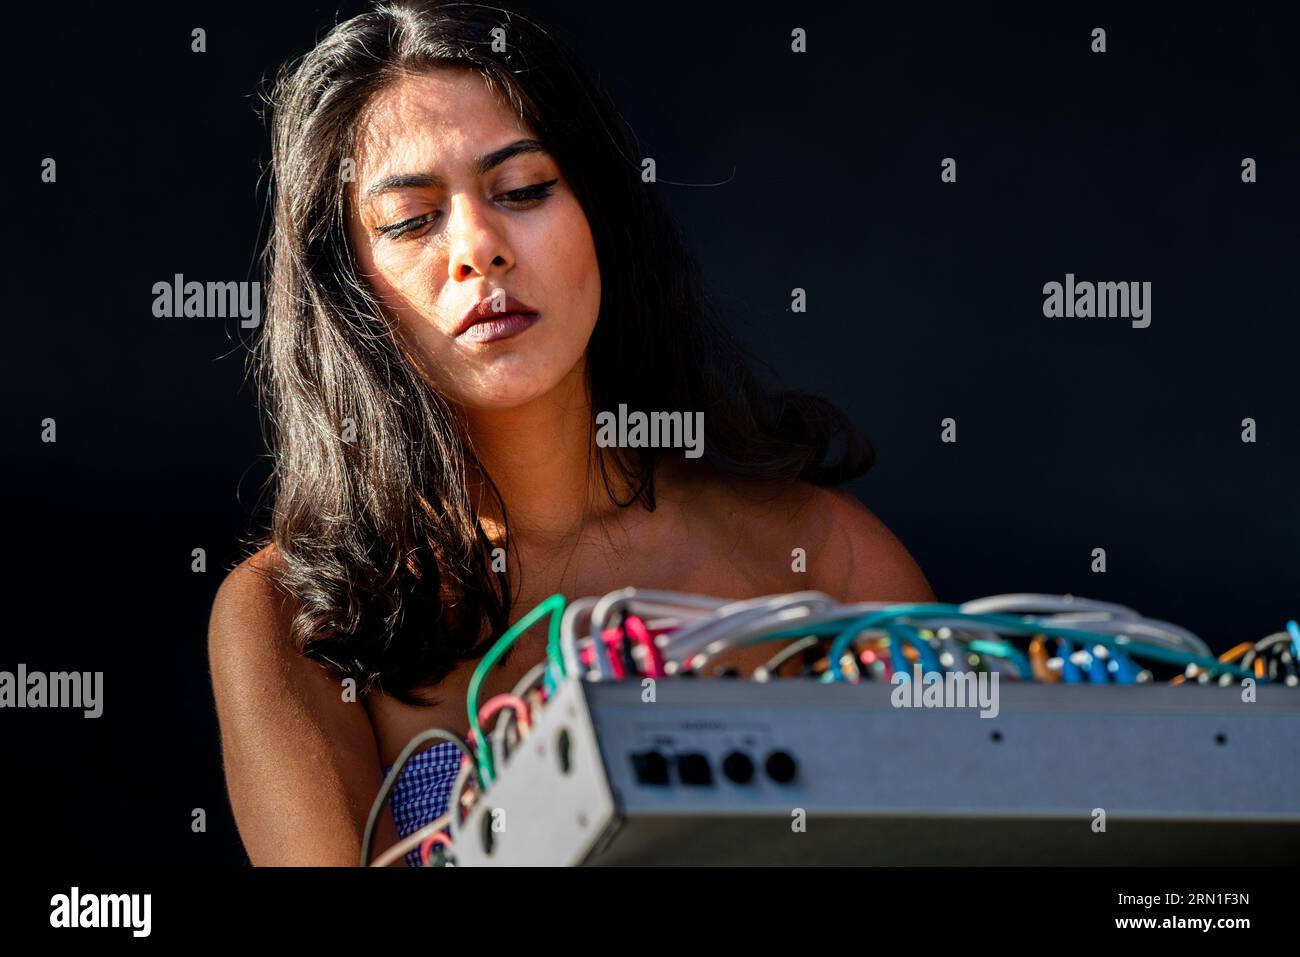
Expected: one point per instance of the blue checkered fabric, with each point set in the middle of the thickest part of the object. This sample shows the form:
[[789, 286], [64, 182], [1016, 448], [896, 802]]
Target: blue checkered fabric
[[423, 792]]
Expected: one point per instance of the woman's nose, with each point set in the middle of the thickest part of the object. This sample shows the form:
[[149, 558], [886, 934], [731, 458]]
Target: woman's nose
[[477, 242]]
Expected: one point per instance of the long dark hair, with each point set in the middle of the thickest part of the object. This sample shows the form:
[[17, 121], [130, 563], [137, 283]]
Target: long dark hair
[[377, 536]]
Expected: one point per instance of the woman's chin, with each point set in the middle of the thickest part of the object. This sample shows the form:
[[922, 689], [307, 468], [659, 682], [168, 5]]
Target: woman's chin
[[508, 396], [510, 381]]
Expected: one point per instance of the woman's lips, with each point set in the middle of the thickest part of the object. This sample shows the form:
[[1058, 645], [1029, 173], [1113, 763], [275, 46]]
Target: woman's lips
[[500, 327]]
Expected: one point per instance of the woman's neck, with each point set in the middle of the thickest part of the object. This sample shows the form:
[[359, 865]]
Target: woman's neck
[[542, 459]]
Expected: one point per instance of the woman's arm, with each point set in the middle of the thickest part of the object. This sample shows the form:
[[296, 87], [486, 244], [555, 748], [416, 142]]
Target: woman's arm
[[302, 766]]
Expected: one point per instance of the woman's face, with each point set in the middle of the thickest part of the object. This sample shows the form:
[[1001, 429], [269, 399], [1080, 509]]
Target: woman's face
[[451, 206]]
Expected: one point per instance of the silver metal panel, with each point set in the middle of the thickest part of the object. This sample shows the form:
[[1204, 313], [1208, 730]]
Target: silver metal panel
[[1187, 774], [543, 814], [1136, 751]]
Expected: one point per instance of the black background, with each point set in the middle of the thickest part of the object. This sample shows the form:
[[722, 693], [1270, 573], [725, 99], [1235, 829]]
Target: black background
[[924, 302]]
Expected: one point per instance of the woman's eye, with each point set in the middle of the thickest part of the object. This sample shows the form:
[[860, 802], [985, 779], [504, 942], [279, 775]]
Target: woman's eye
[[416, 224], [530, 194], [394, 230]]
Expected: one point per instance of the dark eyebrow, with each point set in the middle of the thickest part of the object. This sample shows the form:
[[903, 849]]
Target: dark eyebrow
[[427, 180]]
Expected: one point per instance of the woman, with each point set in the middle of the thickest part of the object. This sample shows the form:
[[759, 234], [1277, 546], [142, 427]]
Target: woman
[[465, 269]]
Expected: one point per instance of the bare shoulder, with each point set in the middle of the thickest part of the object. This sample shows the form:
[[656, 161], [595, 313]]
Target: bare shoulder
[[850, 553], [251, 655], [251, 613], [250, 645], [860, 559]]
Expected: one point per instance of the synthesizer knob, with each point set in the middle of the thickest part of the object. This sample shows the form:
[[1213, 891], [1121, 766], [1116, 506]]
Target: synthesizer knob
[[780, 766], [738, 767], [693, 768], [650, 767]]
